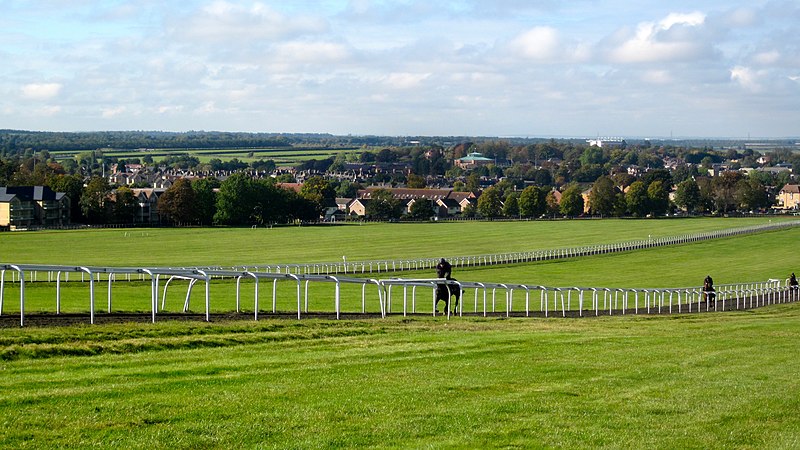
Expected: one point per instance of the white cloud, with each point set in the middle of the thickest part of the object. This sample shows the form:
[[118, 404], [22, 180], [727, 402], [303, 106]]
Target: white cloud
[[767, 58], [311, 52], [657, 77], [41, 91], [540, 43], [234, 22], [405, 80], [109, 113], [674, 38], [48, 111], [746, 77], [266, 65]]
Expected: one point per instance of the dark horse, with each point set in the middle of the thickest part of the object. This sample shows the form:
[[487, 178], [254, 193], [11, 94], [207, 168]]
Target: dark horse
[[709, 291], [446, 291]]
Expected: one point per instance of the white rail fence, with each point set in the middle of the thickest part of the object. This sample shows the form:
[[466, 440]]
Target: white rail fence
[[412, 264], [563, 301]]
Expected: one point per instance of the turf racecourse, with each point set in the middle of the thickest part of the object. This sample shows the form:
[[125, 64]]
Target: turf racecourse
[[687, 381], [244, 246], [749, 258], [716, 380]]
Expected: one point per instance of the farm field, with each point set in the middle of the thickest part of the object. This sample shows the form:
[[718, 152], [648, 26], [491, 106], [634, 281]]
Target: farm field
[[281, 155], [244, 246], [724, 380]]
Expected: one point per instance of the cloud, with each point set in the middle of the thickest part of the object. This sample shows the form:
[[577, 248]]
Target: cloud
[[767, 57], [677, 37], [540, 43], [311, 52], [41, 91], [109, 113], [405, 80], [746, 78], [234, 22]]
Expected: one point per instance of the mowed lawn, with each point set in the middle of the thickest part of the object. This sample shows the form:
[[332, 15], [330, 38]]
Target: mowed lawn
[[719, 380], [749, 258], [244, 246], [715, 380]]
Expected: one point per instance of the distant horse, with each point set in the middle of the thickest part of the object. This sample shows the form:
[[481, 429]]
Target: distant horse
[[446, 291], [709, 291]]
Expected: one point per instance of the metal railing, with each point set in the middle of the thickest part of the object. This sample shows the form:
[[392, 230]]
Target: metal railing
[[573, 301]]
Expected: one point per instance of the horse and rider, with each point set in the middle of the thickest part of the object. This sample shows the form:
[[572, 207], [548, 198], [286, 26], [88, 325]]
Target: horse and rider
[[445, 291], [793, 284], [708, 290]]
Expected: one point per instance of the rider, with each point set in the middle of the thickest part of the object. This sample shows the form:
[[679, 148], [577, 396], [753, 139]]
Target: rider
[[793, 281], [708, 289], [444, 269]]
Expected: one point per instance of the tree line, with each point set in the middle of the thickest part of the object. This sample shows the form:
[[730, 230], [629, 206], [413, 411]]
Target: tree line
[[525, 182]]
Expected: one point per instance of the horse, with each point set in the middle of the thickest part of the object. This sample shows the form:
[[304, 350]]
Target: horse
[[709, 292], [444, 292]]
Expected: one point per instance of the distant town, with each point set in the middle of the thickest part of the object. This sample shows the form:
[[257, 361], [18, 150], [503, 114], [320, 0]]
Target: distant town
[[51, 180]]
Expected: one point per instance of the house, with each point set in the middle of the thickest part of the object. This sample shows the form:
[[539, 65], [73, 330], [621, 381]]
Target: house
[[33, 206], [334, 214], [607, 143], [342, 203], [586, 195], [148, 205], [358, 207], [789, 197], [473, 160], [446, 201]]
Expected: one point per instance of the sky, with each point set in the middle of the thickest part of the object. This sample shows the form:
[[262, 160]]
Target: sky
[[539, 68]]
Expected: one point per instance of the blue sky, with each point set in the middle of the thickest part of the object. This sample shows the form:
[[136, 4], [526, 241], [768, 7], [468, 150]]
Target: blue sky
[[415, 67]]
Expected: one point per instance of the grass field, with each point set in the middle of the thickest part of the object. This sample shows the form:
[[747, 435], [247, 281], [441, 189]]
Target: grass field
[[717, 380], [723, 380], [749, 258], [244, 246], [281, 155]]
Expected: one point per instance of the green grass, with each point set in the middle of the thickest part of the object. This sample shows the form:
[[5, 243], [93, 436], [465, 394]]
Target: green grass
[[244, 246], [748, 258], [700, 381], [722, 380]]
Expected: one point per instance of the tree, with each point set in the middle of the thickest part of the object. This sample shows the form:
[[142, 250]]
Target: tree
[[125, 205], [532, 201], [421, 209], [752, 195], [178, 203], [511, 205], [552, 203], [658, 197], [94, 200], [687, 196], [571, 201], [319, 192], [469, 211], [636, 199], [489, 204], [602, 198], [234, 201], [662, 175], [724, 191], [383, 206], [473, 182], [206, 199], [72, 185], [415, 181]]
